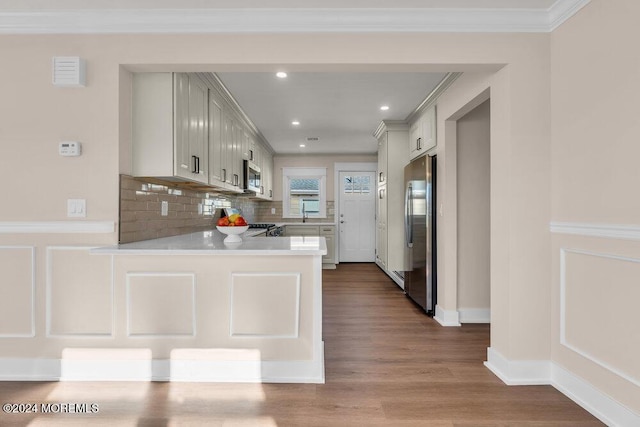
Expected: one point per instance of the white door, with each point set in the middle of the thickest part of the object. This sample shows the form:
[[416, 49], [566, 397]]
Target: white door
[[357, 216]]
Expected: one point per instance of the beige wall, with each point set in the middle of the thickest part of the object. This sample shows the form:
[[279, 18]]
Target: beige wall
[[595, 151], [514, 68], [520, 134], [473, 167], [314, 161]]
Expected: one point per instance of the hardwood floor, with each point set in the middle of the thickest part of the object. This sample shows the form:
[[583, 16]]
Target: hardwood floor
[[387, 364]]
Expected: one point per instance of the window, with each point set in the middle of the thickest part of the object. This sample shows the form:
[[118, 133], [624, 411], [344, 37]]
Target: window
[[304, 192]]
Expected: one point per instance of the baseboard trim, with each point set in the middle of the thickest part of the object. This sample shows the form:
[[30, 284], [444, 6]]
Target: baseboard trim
[[475, 315], [247, 371], [447, 317], [546, 372]]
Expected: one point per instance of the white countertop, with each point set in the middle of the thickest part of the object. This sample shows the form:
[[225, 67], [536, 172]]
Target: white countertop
[[211, 243], [304, 223]]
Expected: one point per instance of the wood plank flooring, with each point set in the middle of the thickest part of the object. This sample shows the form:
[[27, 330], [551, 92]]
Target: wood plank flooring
[[387, 364]]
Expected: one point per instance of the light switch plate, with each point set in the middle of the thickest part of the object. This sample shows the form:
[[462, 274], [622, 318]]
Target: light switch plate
[[76, 208]]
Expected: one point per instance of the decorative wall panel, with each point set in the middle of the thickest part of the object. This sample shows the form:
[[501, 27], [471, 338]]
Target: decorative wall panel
[[265, 305], [79, 292], [599, 313], [17, 292], [161, 304]]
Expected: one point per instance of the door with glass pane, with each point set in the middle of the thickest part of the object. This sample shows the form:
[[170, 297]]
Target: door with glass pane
[[357, 216]]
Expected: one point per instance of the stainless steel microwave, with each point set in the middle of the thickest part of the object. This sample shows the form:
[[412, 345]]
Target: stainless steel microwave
[[252, 179]]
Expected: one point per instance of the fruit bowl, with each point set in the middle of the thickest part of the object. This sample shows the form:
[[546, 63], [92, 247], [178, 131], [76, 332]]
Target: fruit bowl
[[233, 233]]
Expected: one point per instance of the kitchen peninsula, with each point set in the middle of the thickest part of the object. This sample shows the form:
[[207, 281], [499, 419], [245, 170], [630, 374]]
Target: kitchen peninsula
[[203, 310]]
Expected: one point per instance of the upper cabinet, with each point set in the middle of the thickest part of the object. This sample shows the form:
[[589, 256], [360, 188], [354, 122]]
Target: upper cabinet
[[187, 126], [170, 126], [422, 133]]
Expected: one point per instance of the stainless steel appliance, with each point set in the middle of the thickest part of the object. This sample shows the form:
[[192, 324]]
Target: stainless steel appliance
[[419, 225], [271, 230], [252, 179]]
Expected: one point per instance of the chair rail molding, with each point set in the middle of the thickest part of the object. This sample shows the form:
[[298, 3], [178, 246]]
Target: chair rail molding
[[611, 231]]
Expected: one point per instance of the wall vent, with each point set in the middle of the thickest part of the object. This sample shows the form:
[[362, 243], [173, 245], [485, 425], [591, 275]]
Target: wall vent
[[69, 71]]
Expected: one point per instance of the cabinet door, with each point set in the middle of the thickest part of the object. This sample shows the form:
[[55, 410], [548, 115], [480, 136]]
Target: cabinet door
[[381, 227], [227, 141], [330, 257], [216, 151], [429, 128], [267, 174], [238, 178], [302, 230], [416, 143], [181, 149], [198, 129], [382, 158]]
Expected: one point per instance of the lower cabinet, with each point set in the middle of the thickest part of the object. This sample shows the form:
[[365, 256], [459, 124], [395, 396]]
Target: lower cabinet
[[326, 231]]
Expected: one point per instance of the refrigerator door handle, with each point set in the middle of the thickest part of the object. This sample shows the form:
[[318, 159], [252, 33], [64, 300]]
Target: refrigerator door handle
[[408, 216]]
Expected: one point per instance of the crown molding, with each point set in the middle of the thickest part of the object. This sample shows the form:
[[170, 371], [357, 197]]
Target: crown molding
[[287, 20]]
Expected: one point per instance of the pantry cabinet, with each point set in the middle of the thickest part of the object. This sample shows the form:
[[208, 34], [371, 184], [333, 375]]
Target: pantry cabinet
[[170, 126], [393, 156]]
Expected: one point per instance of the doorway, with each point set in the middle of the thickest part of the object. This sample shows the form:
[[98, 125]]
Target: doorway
[[355, 214], [473, 165]]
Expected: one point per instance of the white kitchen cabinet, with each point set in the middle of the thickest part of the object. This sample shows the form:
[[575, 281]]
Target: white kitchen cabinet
[[393, 146], [217, 149], [326, 231], [267, 166], [170, 126], [422, 133], [381, 227]]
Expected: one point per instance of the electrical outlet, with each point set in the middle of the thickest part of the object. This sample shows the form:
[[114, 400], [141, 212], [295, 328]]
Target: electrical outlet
[[164, 208], [273, 211]]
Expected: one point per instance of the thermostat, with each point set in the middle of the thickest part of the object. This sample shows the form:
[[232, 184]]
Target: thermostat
[[70, 148]]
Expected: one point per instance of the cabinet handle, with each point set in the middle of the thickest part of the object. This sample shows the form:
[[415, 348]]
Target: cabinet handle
[[381, 193], [419, 143], [270, 193], [251, 155], [236, 179], [380, 177], [224, 175], [261, 189], [194, 164]]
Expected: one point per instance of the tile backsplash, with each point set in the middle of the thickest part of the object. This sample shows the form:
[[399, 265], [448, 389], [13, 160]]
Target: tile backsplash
[[189, 210]]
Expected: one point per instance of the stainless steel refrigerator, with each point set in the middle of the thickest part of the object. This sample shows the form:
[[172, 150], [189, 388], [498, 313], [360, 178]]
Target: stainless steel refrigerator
[[419, 226]]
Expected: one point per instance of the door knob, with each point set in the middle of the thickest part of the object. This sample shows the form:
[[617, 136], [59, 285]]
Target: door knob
[[341, 222]]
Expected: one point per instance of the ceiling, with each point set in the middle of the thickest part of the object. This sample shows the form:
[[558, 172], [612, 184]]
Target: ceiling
[[341, 109]]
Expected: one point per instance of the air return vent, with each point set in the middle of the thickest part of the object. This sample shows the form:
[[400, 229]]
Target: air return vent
[[69, 71]]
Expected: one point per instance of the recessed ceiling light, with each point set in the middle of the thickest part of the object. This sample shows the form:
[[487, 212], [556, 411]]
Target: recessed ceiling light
[[302, 145], [281, 74], [295, 123], [384, 107]]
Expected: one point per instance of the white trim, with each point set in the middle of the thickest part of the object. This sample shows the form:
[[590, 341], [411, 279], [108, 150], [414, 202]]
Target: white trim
[[253, 371], [287, 20], [56, 227], [609, 411], [294, 172], [562, 10], [475, 315], [610, 231], [546, 372], [33, 293], [129, 275], [519, 372], [296, 333], [563, 311], [447, 317], [48, 295]]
